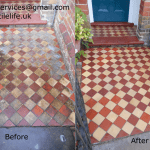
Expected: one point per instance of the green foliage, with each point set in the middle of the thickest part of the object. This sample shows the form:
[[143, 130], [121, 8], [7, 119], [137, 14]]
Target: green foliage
[[80, 31], [78, 55]]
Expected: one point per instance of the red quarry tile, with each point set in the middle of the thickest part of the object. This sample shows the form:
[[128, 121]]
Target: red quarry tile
[[63, 98], [22, 76], [127, 98], [47, 87], [145, 117], [10, 87], [68, 123], [118, 110], [10, 77], [23, 98], [92, 77], [125, 89], [9, 111], [135, 88], [36, 98], [147, 128], [38, 123], [49, 98], [138, 96], [107, 137], [11, 68], [136, 131], [72, 97], [91, 93], [59, 86], [53, 123], [33, 76], [119, 122], [102, 83], [103, 91], [116, 99], [147, 95], [91, 103], [92, 127], [130, 108], [65, 111], [51, 111], [22, 68], [8, 123], [105, 111], [113, 82], [91, 84], [91, 114], [133, 119], [114, 90], [23, 111], [45, 77], [141, 106], [101, 76], [93, 140], [69, 86], [10, 98], [22, 87], [122, 134], [37, 111], [23, 123], [1, 86], [105, 124], [35, 87], [104, 101]]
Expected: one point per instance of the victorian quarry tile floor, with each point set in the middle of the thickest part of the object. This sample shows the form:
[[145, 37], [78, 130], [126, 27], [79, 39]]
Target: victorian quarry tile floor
[[113, 31], [116, 91], [34, 86]]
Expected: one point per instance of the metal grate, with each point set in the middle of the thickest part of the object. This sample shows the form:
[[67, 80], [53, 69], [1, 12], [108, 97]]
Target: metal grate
[[83, 141]]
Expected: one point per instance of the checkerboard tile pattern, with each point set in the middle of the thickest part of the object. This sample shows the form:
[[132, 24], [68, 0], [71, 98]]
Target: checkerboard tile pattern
[[20, 3], [34, 86], [113, 31], [116, 91]]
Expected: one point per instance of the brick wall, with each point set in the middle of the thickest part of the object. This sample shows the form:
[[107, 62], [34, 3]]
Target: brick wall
[[144, 21], [65, 31], [83, 4]]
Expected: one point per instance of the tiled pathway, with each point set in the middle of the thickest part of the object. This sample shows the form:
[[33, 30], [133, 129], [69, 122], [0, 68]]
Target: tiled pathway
[[116, 90], [113, 31], [34, 86]]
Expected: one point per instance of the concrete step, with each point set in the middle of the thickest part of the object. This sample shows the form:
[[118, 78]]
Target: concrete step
[[108, 41], [112, 24]]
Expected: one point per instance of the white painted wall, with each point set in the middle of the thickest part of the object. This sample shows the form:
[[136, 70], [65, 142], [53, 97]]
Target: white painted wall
[[133, 11]]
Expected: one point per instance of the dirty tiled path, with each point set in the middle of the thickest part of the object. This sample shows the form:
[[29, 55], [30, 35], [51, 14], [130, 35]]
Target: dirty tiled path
[[116, 90], [34, 86]]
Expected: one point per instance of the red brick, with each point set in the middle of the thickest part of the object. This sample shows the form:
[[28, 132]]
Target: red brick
[[62, 28], [146, 3], [66, 38], [83, 7], [82, 1]]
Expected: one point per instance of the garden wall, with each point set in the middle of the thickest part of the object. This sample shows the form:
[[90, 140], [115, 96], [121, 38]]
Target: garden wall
[[65, 31]]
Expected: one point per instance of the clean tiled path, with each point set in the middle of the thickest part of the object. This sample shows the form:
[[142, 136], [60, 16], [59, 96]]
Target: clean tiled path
[[116, 90], [34, 86]]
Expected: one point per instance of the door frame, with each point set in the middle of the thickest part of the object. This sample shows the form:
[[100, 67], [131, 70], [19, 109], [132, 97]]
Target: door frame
[[133, 11]]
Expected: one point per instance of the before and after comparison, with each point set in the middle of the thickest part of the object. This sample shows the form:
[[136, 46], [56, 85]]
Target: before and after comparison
[[74, 74]]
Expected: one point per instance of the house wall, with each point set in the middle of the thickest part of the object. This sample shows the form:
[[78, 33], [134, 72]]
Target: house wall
[[144, 21], [65, 31]]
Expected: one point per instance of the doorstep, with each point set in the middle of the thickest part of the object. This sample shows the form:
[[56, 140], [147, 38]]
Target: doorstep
[[113, 33]]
